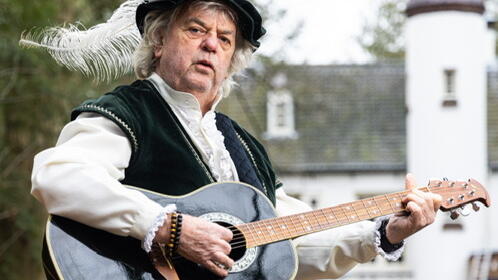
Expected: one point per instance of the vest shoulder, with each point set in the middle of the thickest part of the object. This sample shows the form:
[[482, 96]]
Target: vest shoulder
[[125, 97], [137, 91]]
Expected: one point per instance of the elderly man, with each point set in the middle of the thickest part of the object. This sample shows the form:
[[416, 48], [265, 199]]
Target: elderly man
[[161, 133]]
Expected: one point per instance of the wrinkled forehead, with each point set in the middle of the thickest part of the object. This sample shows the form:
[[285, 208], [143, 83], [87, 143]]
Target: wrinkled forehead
[[210, 9]]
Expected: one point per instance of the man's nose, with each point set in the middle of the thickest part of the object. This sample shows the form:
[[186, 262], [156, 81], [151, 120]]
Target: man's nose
[[210, 43]]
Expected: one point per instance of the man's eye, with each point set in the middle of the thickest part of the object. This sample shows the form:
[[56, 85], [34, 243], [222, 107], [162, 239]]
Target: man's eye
[[225, 40], [195, 31]]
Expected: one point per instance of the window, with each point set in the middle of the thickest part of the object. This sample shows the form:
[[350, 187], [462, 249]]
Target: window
[[280, 115], [449, 99]]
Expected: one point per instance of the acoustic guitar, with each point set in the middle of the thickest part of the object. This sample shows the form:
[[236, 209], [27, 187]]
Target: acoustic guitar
[[260, 247]]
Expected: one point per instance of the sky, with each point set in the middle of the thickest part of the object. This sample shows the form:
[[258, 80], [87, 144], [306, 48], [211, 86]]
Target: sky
[[329, 32]]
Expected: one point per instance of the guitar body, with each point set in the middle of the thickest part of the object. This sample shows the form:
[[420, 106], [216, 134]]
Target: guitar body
[[75, 251]]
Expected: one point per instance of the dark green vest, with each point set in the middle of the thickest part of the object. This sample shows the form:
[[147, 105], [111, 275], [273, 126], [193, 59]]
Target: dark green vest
[[164, 159]]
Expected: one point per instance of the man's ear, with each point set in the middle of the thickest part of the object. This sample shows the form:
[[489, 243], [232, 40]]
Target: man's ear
[[158, 48], [157, 51]]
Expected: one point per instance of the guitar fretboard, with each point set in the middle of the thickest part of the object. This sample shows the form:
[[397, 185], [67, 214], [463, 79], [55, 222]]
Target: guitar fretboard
[[281, 228]]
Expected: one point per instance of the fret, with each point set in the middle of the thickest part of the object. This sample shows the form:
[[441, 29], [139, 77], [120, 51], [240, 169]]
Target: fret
[[399, 204], [361, 210], [283, 228], [327, 222], [346, 214], [378, 208], [387, 198], [368, 212], [322, 221], [295, 227], [317, 224], [314, 221], [255, 236], [304, 221], [251, 238], [356, 213], [326, 217], [375, 211], [343, 220], [268, 228], [332, 215], [260, 231]]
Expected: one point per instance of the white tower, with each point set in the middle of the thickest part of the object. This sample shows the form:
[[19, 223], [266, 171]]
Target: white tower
[[446, 125]]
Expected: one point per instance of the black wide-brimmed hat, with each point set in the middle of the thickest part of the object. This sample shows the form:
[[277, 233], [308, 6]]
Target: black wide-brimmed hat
[[250, 22]]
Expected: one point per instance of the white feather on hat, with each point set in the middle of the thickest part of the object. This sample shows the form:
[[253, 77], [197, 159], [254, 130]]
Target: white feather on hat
[[104, 51]]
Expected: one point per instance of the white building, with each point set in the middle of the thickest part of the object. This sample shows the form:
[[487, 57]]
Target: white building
[[357, 130]]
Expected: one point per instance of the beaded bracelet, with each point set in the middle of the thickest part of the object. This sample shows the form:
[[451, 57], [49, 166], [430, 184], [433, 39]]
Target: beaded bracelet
[[175, 231], [176, 242]]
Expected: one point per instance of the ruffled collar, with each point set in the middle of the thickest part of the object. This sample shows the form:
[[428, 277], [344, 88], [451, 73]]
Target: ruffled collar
[[184, 100]]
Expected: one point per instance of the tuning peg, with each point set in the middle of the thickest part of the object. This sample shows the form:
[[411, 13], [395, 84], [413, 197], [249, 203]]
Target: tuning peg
[[475, 207], [454, 215]]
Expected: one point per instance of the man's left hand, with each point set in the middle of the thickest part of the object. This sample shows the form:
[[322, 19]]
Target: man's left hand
[[421, 208]]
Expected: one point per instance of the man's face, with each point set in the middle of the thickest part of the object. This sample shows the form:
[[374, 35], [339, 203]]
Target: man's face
[[196, 53]]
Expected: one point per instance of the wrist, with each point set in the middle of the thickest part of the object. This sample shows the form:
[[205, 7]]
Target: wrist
[[391, 236], [162, 234], [156, 230]]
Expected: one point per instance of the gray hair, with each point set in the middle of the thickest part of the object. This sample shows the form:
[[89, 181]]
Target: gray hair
[[155, 22]]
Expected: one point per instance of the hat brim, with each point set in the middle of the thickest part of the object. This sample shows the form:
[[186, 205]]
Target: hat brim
[[250, 22]]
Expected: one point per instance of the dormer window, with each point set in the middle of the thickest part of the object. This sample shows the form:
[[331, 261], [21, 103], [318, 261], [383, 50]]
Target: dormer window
[[280, 115]]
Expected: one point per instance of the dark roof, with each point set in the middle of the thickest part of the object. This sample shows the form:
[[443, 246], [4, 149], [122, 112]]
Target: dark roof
[[424, 6], [348, 118]]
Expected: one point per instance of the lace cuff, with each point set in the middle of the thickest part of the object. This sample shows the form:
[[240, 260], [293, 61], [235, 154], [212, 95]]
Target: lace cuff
[[397, 249], [158, 222]]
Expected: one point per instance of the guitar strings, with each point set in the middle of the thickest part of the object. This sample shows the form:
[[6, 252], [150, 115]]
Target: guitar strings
[[239, 240], [340, 218]]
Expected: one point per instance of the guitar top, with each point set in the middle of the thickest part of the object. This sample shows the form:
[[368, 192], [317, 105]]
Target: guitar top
[[76, 251]]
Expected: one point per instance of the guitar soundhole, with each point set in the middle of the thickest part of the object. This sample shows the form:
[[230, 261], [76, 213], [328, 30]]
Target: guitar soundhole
[[242, 256], [238, 242]]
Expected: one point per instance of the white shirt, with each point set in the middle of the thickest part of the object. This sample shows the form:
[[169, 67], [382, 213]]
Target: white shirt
[[79, 179]]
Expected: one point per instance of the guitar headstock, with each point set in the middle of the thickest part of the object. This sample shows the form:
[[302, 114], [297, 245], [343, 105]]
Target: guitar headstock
[[457, 194]]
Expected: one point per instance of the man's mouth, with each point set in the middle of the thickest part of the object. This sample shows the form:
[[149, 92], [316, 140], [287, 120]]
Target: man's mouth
[[205, 63]]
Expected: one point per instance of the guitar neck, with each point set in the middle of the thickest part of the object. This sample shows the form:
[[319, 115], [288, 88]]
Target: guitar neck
[[281, 228]]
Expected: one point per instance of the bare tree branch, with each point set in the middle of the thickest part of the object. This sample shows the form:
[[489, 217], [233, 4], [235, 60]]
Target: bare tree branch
[[26, 153], [13, 78], [8, 214], [10, 241], [3, 154]]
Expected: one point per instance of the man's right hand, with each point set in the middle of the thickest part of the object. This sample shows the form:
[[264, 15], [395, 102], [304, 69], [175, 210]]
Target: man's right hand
[[202, 242]]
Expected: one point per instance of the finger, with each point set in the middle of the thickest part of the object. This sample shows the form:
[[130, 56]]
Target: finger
[[438, 200], [224, 247], [424, 203], [220, 258], [226, 234], [416, 214], [432, 200], [213, 267], [410, 181], [415, 197]]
